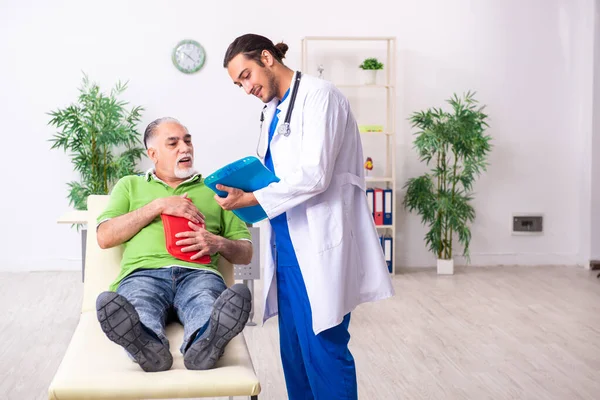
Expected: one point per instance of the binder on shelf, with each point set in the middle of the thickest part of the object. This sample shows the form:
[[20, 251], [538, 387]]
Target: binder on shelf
[[378, 210], [370, 200], [370, 128], [387, 251], [387, 207]]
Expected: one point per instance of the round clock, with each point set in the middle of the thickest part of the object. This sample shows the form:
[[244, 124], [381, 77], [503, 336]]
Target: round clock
[[188, 56]]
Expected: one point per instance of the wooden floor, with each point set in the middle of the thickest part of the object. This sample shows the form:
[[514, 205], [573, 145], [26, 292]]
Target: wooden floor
[[484, 333]]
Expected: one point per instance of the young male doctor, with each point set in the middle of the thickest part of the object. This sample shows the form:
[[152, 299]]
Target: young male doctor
[[326, 258]]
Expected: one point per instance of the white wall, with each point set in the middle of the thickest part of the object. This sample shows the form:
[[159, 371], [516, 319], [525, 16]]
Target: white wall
[[528, 60], [595, 148]]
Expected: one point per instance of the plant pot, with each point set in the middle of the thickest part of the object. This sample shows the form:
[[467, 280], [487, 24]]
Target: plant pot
[[370, 76], [445, 267]]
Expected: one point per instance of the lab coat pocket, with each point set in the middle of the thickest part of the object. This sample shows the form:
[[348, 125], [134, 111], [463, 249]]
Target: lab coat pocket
[[324, 229]]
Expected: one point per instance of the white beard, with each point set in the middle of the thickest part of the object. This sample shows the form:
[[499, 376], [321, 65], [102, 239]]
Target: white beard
[[184, 173]]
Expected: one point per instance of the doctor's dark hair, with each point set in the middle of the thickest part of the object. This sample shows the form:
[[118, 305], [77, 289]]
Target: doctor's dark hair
[[251, 46], [152, 126]]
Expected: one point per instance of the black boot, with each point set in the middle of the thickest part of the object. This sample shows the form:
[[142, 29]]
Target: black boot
[[122, 325], [228, 318]]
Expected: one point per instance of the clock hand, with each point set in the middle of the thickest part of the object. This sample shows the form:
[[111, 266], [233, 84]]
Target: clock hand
[[188, 56]]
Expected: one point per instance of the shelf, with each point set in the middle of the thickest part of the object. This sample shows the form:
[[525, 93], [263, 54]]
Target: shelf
[[385, 91], [378, 179], [74, 217], [359, 38], [343, 85], [377, 133]]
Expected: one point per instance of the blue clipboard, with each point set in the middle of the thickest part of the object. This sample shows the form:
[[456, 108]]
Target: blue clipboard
[[247, 174]]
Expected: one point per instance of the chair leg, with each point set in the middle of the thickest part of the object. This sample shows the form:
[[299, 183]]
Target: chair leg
[[250, 284], [83, 244], [253, 397]]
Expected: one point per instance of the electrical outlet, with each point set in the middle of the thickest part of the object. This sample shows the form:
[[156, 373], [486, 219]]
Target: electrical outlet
[[523, 224]]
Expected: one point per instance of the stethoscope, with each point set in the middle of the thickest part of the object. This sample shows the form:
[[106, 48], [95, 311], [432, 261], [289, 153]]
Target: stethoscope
[[283, 129]]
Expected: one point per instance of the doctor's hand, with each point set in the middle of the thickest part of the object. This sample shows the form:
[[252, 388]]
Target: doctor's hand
[[236, 198], [200, 240]]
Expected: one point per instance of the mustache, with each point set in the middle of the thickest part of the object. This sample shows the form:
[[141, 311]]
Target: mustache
[[186, 155]]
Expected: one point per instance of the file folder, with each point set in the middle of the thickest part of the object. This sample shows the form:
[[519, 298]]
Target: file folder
[[247, 174], [387, 251], [378, 211], [370, 200], [387, 207]]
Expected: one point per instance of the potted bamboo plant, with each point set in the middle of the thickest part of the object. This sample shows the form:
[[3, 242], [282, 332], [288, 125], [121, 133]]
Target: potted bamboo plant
[[101, 137], [456, 145]]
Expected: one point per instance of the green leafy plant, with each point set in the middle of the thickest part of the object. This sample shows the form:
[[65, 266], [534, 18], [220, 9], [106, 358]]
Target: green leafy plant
[[371, 63], [101, 137], [458, 146]]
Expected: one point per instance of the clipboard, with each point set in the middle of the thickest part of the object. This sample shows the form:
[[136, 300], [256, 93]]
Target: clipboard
[[247, 174]]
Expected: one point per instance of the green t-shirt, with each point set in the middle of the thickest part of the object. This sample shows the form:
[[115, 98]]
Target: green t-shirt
[[147, 249]]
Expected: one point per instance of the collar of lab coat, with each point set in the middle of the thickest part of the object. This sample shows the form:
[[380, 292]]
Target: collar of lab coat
[[268, 113]]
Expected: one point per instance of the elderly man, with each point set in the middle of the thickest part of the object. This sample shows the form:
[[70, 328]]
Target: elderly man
[[153, 284]]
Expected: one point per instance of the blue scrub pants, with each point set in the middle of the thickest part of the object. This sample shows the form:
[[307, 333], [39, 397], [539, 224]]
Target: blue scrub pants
[[317, 367]]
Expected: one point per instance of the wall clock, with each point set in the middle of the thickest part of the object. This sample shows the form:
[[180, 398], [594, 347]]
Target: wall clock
[[188, 56]]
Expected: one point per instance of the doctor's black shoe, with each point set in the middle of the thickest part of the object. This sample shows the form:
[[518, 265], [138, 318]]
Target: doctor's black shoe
[[228, 318], [121, 323]]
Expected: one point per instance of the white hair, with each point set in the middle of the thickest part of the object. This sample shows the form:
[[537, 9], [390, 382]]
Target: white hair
[[152, 126]]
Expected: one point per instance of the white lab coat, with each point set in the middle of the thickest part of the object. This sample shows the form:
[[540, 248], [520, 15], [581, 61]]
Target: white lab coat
[[322, 190]]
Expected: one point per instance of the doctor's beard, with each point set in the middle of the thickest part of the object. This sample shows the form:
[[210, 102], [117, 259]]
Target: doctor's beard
[[184, 173], [273, 86]]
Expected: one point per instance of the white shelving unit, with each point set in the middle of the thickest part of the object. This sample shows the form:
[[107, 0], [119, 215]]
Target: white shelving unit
[[387, 179]]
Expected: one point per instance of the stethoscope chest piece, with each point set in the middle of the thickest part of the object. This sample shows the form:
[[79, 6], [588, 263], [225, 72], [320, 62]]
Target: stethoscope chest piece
[[284, 129]]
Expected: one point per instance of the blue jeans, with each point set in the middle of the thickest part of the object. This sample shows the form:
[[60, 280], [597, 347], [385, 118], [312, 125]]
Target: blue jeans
[[157, 294]]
